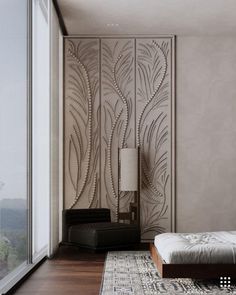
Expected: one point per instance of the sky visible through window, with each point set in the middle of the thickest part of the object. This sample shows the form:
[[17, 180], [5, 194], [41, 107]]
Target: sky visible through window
[[13, 134]]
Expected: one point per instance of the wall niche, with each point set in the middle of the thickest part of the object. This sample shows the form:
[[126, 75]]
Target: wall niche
[[119, 92]]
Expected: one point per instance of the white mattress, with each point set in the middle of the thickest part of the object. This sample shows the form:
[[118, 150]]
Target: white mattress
[[209, 247]]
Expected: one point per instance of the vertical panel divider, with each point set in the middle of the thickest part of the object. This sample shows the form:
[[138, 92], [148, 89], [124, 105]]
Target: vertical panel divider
[[173, 134], [135, 104], [135, 125], [100, 123], [63, 121]]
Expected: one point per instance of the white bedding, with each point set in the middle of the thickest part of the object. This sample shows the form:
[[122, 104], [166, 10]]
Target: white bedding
[[208, 247]]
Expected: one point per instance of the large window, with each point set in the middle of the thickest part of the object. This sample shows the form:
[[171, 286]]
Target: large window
[[13, 135], [29, 181]]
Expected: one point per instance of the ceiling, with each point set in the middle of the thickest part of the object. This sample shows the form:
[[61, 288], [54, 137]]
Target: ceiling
[[179, 17]]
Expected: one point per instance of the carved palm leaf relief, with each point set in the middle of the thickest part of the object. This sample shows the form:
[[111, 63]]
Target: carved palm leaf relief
[[117, 100], [153, 133], [119, 93], [82, 124]]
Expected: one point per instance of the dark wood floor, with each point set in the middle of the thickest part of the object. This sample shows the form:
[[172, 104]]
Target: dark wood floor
[[72, 271]]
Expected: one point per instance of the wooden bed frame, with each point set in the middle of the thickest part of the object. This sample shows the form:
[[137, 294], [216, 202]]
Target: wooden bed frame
[[196, 271]]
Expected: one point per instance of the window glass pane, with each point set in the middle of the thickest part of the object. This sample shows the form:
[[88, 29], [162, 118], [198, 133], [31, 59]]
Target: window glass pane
[[41, 127], [13, 135]]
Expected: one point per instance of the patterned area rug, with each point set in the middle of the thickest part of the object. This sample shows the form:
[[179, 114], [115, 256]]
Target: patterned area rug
[[134, 273]]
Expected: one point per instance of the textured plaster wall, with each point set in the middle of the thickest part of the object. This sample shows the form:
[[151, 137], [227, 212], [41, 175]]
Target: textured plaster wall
[[206, 133]]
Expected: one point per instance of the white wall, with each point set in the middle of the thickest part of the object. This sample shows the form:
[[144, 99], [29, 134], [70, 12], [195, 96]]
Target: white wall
[[206, 133], [61, 145], [46, 98]]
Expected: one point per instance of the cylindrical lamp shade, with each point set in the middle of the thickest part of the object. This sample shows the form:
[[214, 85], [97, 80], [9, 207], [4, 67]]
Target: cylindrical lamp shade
[[129, 169]]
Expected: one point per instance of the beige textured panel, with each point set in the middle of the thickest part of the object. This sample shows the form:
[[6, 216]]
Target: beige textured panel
[[82, 115], [153, 91], [117, 115], [206, 142]]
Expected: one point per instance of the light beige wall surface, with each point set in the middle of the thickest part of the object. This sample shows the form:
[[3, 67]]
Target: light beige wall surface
[[206, 133]]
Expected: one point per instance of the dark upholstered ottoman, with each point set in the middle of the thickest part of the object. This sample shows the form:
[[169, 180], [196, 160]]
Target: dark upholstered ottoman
[[100, 233], [103, 235]]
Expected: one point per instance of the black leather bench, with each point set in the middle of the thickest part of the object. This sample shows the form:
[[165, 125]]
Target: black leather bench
[[92, 228]]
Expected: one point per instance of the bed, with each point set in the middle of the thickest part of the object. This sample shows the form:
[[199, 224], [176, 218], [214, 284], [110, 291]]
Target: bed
[[195, 255]]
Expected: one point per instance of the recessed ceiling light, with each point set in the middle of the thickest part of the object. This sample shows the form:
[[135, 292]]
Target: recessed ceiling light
[[112, 25]]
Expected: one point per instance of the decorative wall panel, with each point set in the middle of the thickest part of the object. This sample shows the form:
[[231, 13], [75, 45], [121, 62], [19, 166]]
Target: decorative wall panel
[[119, 93], [153, 95], [117, 120], [82, 123]]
